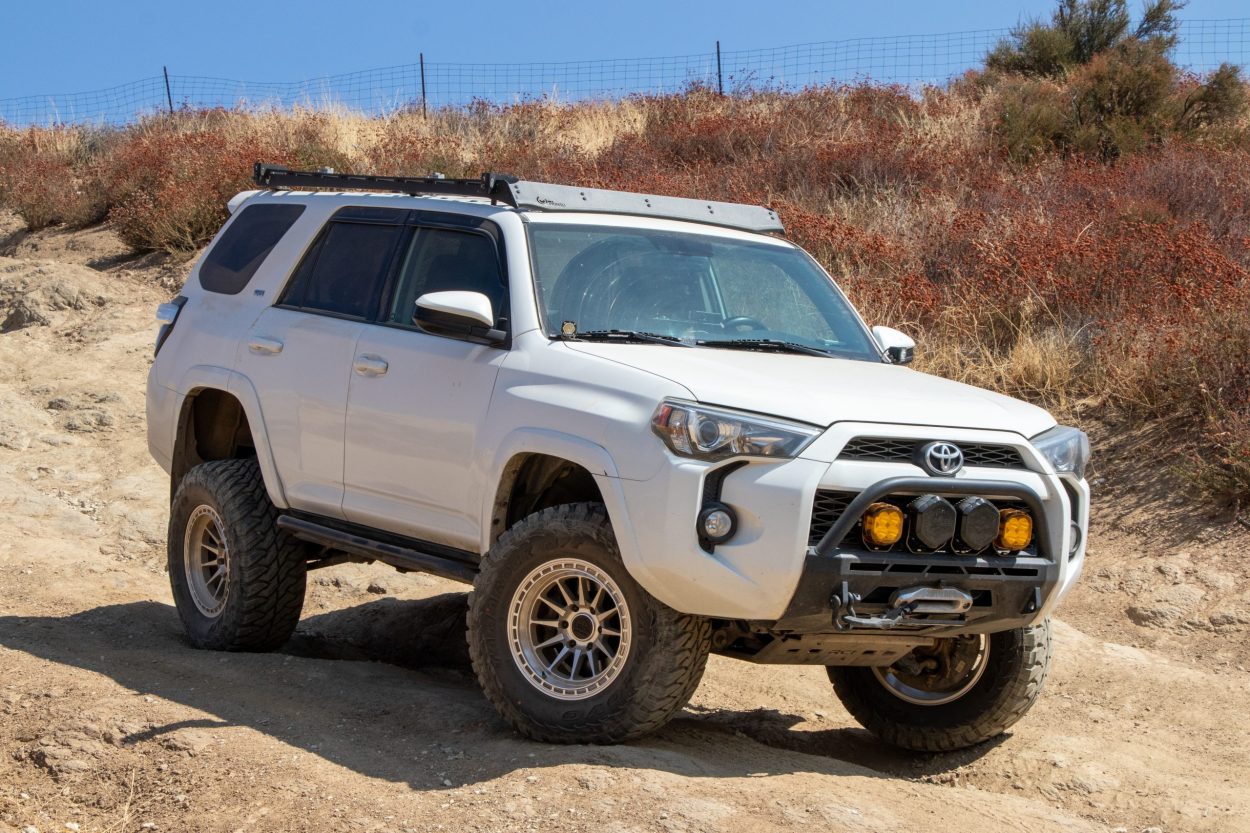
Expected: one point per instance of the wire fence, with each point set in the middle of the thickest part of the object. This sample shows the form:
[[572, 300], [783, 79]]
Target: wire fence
[[910, 60]]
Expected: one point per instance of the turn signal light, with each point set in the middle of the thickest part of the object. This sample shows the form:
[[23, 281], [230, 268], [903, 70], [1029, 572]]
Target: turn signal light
[[1015, 530], [883, 525]]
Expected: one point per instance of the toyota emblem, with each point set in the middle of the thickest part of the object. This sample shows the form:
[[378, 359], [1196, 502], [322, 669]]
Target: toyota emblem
[[941, 458]]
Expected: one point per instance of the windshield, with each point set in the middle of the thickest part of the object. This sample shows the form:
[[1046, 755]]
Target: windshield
[[704, 290]]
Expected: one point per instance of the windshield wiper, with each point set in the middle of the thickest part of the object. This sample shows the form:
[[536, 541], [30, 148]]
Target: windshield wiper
[[764, 344], [626, 336]]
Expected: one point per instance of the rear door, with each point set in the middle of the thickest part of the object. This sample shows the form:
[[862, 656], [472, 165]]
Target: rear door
[[417, 400], [299, 352]]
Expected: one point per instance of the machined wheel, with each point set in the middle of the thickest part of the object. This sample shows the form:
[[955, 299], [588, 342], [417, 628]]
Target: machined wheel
[[964, 690], [237, 580], [206, 561], [565, 643], [938, 676], [569, 629]]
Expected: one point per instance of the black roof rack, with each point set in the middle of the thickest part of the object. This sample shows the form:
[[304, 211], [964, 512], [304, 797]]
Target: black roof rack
[[490, 186], [532, 196]]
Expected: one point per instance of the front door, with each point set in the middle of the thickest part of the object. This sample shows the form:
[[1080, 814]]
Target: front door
[[417, 401]]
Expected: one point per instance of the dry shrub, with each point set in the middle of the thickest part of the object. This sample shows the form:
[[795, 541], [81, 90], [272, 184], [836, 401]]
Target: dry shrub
[[169, 186], [51, 175], [966, 216], [1194, 375]]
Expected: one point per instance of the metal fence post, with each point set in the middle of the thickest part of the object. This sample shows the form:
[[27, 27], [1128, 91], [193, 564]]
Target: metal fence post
[[421, 57], [169, 96], [720, 78]]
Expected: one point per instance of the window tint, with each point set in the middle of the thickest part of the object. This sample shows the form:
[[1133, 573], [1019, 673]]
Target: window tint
[[343, 273], [245, 245], [438, 261]]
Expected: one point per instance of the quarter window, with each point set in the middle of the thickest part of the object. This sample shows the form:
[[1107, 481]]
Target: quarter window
[[244, 246]]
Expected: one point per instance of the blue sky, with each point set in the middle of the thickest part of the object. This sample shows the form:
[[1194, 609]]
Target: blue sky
[[57, 46]]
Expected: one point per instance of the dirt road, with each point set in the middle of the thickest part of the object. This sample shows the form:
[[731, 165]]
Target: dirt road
[[370, 720]]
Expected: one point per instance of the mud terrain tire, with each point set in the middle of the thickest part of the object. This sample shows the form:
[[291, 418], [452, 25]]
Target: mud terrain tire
[[260, 593], [1015, 670], [661, 669]]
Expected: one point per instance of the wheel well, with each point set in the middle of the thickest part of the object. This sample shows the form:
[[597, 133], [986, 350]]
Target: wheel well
[[212, 426], [533, 482]]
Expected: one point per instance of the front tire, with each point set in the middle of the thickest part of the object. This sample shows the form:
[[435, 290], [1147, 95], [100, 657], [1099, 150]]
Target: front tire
[[966, 691], [568, 648], [238, 581]]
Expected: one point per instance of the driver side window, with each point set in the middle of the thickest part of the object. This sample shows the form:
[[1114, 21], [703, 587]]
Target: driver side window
[[441, 260]]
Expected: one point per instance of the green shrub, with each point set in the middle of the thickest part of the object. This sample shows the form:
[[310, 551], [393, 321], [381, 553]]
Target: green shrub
[[1079, 31], [1120, 101]]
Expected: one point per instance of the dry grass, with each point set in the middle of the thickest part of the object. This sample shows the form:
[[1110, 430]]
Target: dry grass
[[1057, 279]]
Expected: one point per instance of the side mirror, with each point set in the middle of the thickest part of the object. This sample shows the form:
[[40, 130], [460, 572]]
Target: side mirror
[[459, 314], [897, 346]]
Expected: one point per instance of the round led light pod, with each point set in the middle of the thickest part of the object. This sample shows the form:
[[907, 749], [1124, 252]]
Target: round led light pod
[[978, 523], [932, 522], [717, 523]]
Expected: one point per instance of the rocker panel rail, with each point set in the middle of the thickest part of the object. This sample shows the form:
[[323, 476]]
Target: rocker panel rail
[[431, 558]]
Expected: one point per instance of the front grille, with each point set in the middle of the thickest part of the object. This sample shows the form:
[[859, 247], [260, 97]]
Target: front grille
[[894, 450], [829, 505], [826, 510]]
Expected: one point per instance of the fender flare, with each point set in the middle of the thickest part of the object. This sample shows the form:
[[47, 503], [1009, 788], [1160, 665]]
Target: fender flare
[[588, 454], [204, 377]]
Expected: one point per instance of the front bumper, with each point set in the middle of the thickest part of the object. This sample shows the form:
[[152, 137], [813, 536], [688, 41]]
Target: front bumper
[[1006, 592], [770, 575], [854, 590]]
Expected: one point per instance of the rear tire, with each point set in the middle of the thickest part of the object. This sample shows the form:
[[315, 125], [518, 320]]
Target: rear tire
[[237, 580], [896, 705], [566, 645]]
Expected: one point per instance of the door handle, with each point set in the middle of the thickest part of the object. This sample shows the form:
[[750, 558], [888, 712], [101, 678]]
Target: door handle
[[265, 346], [370, 365]]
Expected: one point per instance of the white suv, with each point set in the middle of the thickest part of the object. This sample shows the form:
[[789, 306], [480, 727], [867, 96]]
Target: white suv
[[644, 428]]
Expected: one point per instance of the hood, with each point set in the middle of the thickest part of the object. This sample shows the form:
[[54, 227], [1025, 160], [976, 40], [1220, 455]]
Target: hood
[[823, 391]]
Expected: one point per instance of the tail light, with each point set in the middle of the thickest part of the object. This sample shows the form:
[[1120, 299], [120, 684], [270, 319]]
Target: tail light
[[167, 316]]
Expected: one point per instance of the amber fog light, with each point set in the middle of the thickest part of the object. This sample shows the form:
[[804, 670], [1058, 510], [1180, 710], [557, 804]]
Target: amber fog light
[[883, 525], [978, 523], [1015, 530], [933, 521]]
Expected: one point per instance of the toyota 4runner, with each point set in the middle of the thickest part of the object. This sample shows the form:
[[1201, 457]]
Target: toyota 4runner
[[643, 428]]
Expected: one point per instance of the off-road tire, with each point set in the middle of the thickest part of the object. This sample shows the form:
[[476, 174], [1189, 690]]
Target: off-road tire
[[668, 649], [1016, 669], [266, 571]]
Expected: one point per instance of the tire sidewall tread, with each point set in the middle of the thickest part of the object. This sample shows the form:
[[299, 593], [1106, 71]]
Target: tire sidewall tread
[[668, 650], [267, 572], [1019, 661]]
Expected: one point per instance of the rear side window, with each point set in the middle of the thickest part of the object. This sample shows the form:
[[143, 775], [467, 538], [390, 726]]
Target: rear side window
[[344, 272], [251, 237]]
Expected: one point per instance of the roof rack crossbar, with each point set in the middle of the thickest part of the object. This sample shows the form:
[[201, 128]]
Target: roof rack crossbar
[[491, 186], [532, 196]]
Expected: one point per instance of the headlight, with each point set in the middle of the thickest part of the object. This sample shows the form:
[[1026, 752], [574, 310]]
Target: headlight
[[1066, 448], [715, 434]]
